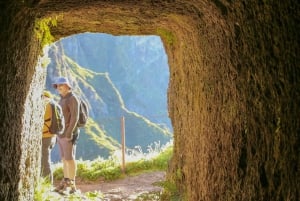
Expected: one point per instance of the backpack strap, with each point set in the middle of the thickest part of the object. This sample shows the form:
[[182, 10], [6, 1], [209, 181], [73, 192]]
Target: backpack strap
[[47, 127]]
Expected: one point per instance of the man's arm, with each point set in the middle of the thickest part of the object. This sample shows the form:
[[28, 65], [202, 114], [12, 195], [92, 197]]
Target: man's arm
[[73, 106]]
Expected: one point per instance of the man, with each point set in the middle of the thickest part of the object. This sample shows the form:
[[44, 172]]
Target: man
[[48, 139], [67, 141]]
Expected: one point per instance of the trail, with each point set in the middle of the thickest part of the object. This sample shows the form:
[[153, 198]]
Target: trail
[[126, 189]]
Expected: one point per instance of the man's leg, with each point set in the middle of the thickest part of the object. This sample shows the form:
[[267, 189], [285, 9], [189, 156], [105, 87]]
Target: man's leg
[[72, 167], [62, 143]]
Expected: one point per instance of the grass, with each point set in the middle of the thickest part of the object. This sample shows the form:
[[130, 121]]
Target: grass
[[110, 169], [137, 162]]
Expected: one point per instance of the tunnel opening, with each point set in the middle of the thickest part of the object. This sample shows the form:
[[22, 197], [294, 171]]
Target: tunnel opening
[[131, 76]]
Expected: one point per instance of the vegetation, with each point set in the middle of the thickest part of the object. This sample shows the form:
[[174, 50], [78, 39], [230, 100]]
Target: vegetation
[[42, 30], [167, 35], [110, 169], [157, 158], [171, 192]]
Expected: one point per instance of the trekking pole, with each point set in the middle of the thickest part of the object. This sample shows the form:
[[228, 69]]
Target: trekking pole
[[123, 143]]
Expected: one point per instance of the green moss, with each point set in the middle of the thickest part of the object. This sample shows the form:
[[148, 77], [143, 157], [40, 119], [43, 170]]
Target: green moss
[[45, 62], [167, 36], [170, 192], [42, 29]]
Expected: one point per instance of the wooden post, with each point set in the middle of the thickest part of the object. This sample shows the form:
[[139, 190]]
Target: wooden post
[[123, 142]]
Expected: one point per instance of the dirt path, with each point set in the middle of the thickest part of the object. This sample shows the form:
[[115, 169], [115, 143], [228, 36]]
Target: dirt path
[[126, 189]]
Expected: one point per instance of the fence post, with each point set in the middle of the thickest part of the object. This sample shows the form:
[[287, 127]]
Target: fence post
[[123, 142]]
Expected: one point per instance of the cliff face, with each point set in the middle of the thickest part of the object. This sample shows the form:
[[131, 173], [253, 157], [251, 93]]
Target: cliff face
[[233, 89]]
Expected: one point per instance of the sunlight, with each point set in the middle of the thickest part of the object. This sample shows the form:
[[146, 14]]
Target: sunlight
[[136, 154]]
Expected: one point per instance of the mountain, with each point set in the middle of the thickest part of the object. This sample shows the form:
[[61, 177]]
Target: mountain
[[137, 65], [107, 104]]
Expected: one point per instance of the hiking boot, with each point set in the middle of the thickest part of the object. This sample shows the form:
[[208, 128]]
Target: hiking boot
[[72, 187], [62, 186]]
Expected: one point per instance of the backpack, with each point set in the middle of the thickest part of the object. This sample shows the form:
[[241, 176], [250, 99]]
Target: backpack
[[83, 113], [57, 119]]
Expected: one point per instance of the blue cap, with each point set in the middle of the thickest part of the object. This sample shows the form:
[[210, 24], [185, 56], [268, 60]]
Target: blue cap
[[62, 80]]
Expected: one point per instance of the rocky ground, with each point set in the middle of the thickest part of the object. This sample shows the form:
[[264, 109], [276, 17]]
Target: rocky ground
[[127, 189]]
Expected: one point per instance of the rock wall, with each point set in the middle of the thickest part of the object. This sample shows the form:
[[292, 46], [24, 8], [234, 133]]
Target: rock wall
[[21, 84], [235, 111], [233, 89]]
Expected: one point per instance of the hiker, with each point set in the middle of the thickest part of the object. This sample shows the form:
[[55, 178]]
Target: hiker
[[67, 141], [48, 138]]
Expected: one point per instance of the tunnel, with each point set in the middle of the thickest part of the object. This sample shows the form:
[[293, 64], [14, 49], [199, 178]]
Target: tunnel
[[233, 95]]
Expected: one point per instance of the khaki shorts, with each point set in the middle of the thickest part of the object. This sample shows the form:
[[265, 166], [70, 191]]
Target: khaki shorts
[[67, 149]]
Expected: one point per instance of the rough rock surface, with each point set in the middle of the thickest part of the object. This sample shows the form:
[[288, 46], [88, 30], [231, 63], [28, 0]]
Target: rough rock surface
[[233, 93]]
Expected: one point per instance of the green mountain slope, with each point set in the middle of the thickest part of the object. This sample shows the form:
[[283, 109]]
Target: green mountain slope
[[137, 65]]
